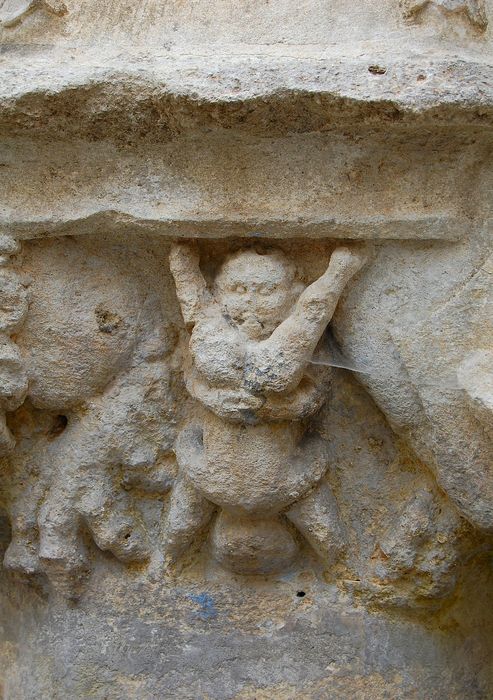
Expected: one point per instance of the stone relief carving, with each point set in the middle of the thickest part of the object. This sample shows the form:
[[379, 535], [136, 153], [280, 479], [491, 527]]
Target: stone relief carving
[[431, 365], [253, 454], [96, 417], [12, 12], [474, 10], [106, 381], [13, 310], [246, 367]]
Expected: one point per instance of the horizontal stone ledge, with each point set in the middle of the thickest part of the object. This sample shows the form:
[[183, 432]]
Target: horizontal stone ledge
[[158, 97], [433, 227]]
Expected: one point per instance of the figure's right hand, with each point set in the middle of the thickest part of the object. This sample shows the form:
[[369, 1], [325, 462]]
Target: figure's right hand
[[228, 403], [183, 254], [347, 261]]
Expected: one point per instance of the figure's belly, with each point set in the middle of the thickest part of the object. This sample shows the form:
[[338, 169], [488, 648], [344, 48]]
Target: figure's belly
[[253, 468]]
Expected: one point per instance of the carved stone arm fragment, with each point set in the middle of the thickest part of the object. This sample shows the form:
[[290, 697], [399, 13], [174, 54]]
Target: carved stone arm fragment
[[191, 287], [277, 364]]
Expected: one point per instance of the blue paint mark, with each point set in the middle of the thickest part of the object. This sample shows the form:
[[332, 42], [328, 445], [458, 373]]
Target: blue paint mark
[[207, 609], [287, 577]]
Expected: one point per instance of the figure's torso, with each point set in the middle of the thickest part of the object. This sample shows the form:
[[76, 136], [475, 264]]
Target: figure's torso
[[219, 354], [255, 468]]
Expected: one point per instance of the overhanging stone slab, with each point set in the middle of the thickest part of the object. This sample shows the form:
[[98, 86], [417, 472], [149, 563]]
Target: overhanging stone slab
[[413, 228]]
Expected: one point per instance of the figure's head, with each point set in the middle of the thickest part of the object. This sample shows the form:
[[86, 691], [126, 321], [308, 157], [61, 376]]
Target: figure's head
[[257, 289]]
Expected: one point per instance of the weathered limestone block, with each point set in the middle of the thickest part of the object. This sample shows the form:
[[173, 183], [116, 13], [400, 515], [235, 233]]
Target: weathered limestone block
[[246, 349]]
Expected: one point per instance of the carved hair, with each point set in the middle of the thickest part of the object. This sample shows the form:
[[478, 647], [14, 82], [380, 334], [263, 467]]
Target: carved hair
[[275, 254]]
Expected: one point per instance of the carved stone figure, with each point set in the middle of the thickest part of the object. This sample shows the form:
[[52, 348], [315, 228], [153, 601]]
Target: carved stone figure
[[253, 454], [236, 460], [94, 383]]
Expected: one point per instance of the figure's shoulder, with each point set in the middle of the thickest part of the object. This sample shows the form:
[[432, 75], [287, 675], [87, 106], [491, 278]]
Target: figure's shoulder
[[217, 349]]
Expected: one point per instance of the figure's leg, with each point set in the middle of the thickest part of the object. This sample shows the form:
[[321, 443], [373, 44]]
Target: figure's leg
[[189, 513], [26, 492], [22, 553], [61, 549], [316, 516]]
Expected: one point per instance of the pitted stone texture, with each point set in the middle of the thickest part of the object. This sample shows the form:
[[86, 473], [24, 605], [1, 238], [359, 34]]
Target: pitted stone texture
[[131, 638], [253, 453], [97, 415], [139, 547], [474, 10]]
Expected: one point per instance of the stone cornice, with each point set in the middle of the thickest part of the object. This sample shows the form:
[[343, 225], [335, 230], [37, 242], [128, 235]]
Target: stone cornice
[[157, 97]]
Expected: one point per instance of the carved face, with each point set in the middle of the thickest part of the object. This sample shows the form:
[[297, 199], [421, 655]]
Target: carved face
[[256, 290]]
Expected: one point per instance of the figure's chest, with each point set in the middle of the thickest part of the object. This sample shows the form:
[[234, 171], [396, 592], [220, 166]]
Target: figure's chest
[[218, 352]]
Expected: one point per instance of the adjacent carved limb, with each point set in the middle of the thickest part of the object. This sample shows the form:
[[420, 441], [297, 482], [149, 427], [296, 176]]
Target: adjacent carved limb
[[278, 363], [189, 513], [190, 284], [86, 495], [316, 516], [76, 484]]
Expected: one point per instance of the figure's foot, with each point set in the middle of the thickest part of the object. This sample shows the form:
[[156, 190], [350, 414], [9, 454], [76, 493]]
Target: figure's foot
[[21, 557], [317, 518]]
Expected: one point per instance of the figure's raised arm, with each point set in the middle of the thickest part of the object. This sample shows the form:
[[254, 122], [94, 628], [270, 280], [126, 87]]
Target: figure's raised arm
[[191, 287], [277, 364]]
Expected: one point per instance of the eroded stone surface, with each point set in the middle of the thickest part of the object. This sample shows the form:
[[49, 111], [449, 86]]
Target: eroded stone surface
[[13, 12], [474, 10], [246, 350], [253, 452]]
